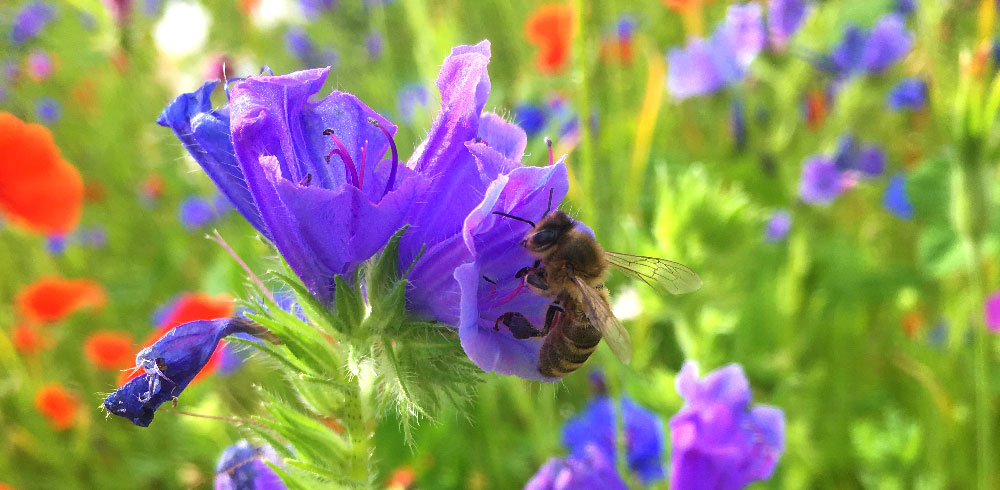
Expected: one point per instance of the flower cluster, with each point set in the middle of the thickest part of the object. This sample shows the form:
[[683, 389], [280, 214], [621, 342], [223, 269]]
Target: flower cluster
[[243, 466], [824, 177], [871, 52], [717, 440]]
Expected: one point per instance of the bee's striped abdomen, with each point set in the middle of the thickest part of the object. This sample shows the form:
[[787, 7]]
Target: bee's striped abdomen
[[569, 344]]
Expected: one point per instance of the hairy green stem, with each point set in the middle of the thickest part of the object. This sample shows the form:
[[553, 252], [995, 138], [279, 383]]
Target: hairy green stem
[[358, 429]]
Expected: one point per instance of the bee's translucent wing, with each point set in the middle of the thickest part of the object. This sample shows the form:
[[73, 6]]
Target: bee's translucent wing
[[662, 275], [598, 311]]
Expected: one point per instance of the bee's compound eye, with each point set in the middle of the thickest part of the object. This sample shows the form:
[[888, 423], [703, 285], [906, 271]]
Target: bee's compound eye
[[544, 238]]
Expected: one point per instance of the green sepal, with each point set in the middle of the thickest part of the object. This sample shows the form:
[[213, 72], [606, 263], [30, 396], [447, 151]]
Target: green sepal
[[350, 304]]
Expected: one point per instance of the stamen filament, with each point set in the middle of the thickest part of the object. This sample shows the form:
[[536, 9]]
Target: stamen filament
[[346, 157], [395, 156], [548, 142]]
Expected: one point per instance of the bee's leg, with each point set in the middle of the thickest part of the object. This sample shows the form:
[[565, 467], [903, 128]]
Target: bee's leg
[[521, 328], [551, 317], [526, 270], [537, 279]]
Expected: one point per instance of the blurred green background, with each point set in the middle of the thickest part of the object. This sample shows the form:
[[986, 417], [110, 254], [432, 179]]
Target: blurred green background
[[864, 328]]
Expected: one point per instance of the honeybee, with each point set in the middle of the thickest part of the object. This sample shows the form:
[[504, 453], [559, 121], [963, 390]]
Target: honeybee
[[569, 269]]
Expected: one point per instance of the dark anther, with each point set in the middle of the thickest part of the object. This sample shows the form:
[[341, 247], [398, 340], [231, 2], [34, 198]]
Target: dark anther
[[327, 132], [491, 281], [306, 180]]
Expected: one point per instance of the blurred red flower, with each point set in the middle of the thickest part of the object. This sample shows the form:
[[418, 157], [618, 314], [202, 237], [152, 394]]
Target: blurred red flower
[[38, 189], [57, 404], [685, 5], [52, 298], [816, 108], [28, 340], [188, 308], [402, 478], [550, 27], [110, 350]]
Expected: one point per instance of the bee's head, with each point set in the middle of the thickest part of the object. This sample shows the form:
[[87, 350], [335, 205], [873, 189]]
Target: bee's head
[[547, 232]]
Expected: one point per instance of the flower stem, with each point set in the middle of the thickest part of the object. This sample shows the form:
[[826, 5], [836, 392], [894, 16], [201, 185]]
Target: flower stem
[[984, 443], [356, 423]]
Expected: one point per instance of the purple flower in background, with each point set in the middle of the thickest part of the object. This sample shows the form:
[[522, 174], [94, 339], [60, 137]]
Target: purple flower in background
[[49, 110], [991, 312], [911, 93], [242, 466], [299, 44], [40, 66], [312, 8], [718, 441], [413, 99], [866, 160], [625, 27], [55, 244], [593, 470], [778, 226], [871, 161], [821, 181], [374, 44], [169, 365], [93, 236], [596, 426], [530, 117], [905, 7], [888, 42], [195, 212], [222, 205], [895, 199], [706, 66], [291, 166], [120, 10], [847, 56], [152, 7], [784, 17], [30, 21]]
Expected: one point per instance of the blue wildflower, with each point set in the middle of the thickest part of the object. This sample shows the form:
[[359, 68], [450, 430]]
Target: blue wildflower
[[169, 365], [530, 117], [49, 110], [706, 66], [243, 466], [784, 17], [821, 181], [778, 226], [847, 56], [625, 27], [30, 21], [55, 244], [895, 199], [152, 8], [593, 470], [911, 93], [312, 8], [299, 44], [873, 51], [596, 426], [718, 441], [222, 205], [412, 99], [195, 212], [278, 177], [94, 236], [905, 7], [868, 160], [374, 45]]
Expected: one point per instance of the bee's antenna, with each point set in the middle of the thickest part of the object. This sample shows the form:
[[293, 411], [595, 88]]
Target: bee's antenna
[[532, 223], [549, 206]]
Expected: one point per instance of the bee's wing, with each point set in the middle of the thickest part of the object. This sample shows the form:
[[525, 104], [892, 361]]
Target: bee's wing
[[599, 313], [662, 275]]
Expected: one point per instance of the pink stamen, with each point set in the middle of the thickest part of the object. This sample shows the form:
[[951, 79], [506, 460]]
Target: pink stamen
[[352, 170], [548, 142], [395, 156]]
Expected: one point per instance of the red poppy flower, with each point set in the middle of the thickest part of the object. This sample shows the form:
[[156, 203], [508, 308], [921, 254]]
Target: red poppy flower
[[52, 298], [28, 340], [57, 404], [188, 308], [38, 189], [109, 350], [550, 28]]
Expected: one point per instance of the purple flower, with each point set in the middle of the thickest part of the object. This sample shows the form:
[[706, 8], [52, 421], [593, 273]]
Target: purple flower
[[911, 93], [596, 427], [895, 199], [718, 441], [299, 44], [55, 244], [93, 236], [905, 7], [242, 467], [888, 42], [267, 152], [784, 17], [530, 117], [30, 21], [120, 10], [312, 8], [821, 181], [847, 56], [867, 160], [169, 365], [592, 470], [703, 67], [49, 110], [374, 45], [871, 161], [625, 27], [991, 312], [195, 212], [412, 99], [40, 65], [778, 226]]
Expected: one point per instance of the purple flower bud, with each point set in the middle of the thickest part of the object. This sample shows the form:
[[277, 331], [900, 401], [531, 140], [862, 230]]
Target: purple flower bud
[[30, 21], [530, 117], [821, 181], [871, 161], [243, 467], [778, 226], [374, 45], [888, 42], [625, 27], [195, 212], [49, 110], [593, 470], [895, 200], [718, 441], [742, 33], [847, 56], [169, 365], [784, 17], [911, 93]]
